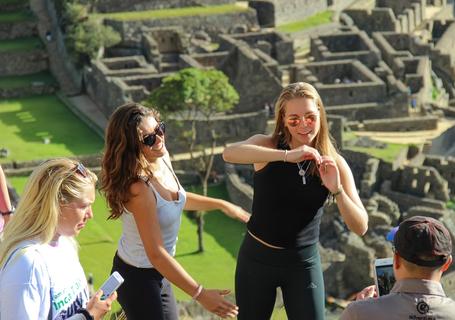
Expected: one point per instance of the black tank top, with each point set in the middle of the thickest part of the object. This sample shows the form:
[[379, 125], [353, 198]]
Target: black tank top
[[286, 212]]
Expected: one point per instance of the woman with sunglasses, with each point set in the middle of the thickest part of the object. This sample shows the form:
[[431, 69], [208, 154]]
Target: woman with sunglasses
[[142, 190], [296, 169], [40, 273]]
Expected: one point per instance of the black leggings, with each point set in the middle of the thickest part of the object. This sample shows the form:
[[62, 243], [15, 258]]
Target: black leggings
[[260, 270], [145, 294]]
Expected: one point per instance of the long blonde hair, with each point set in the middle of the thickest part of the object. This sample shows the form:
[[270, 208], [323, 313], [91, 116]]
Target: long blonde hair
[[52, 183], [323, 141], [123, 160]]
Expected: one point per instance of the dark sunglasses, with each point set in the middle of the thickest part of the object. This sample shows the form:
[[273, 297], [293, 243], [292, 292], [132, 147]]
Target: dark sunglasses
[[150, 139]]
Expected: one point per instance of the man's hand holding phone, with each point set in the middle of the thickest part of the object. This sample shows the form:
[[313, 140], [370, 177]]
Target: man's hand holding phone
[[368, 292]]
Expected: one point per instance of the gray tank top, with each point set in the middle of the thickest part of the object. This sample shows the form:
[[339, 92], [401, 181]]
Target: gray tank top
[[131, 248]]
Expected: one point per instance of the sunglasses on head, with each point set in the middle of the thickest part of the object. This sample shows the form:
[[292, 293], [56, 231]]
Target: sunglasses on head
[[150, 139], [80, 169], [308, 120]]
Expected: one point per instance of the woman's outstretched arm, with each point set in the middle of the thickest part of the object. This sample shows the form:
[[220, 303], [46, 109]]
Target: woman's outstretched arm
[[197, 202]]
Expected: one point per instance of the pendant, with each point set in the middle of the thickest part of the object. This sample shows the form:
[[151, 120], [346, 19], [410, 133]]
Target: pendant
[[301, 172], [303, 180]]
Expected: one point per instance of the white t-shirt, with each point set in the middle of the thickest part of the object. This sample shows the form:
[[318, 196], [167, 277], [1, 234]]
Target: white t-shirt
[[42, 276]]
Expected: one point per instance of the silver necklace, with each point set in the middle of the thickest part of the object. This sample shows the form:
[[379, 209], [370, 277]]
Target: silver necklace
[[302, 171]]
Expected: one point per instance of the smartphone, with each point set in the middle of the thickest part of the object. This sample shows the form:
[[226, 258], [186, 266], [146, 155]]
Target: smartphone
[[111, 284], [383, 275]]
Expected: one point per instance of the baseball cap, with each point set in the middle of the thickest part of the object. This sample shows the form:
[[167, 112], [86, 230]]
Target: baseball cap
[[423, 241]]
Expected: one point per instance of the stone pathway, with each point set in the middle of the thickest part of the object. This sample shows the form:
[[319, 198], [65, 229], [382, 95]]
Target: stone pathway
[[416, 137]]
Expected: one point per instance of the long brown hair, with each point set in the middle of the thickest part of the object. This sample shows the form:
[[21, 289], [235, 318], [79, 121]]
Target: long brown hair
[[123, 160], [323, 141]]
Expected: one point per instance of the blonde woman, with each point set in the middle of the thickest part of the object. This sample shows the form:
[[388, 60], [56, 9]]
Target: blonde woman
[[40, 273], [143, 191], [296, 169]]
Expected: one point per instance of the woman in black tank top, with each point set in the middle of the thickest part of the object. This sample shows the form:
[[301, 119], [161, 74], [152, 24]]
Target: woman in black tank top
[[296, 169]]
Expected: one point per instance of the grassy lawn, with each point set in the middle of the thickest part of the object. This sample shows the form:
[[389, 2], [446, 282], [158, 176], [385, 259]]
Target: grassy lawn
[[171, 13], [24, 123], [6, 17], [22, 44], [11, 82], [388, 154], [313, 21]]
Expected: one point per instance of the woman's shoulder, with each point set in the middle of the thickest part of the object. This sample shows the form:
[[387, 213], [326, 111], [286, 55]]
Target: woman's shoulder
[[26, 264], [139, 187]]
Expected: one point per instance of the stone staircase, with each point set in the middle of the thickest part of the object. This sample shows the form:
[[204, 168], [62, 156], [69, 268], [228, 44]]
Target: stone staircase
[[26, 72]]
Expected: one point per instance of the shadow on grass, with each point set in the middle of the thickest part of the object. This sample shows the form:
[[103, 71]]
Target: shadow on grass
[[196, 252], [227, 232], [35, 118]]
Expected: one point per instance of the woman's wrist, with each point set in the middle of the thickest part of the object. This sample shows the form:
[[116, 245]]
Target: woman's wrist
[[337, 192], [8, 212], [198, 292], [85, 313]]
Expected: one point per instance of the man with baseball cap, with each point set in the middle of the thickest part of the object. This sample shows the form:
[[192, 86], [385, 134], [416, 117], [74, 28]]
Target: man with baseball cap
[[423, 251]]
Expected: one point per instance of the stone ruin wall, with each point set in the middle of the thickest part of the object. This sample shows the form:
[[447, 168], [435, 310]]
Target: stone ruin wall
[[214, 25], [275, 12], [140, 5], [229, 128]]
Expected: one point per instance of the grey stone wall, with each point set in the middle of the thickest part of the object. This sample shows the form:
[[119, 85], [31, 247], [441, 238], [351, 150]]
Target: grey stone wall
[[106, 92], [33, 89], [406, 201], [229, 128], [255, 83], [378, 19], [275, 12], [345, 45], [421, 182], [401, 124], [13, 30], [212, 24], [240, 193], [21, 63], [140, 5], [276, 45], [61, 66], [336, 128], [445, 166]]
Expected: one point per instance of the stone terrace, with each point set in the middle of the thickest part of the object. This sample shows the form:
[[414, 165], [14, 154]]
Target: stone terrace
[[351, 89], [345, 45]]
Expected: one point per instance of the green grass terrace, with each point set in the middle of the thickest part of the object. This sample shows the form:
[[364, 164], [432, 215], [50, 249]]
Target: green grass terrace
[[27, 123], [20, 45], [19, 16], [313, 21], [172, 13], [11, 82]]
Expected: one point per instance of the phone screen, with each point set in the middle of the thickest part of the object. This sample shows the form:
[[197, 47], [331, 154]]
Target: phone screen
[[386, 279]]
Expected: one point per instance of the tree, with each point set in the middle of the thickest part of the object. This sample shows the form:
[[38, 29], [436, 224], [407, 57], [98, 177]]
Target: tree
[[189, 95], [86, 36]]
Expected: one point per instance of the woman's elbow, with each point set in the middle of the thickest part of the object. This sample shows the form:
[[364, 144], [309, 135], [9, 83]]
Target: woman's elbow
[[227, 155], [362, 227], [362, 230]]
